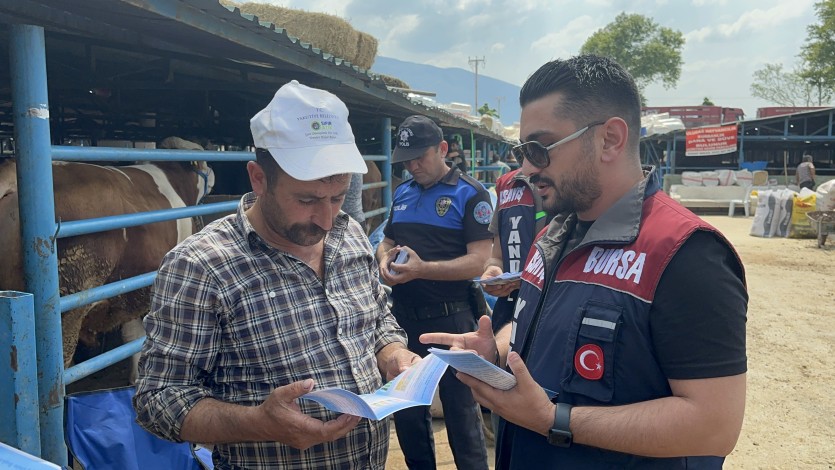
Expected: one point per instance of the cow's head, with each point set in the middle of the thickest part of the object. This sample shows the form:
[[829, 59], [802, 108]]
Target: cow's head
[[205, 180], [205, 175]]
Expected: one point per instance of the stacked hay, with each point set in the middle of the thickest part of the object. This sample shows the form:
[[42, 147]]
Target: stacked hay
[[366, 50], [393, 81], [329, 33]]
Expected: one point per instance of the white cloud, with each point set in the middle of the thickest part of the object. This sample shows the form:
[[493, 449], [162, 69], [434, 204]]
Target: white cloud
[[566, 41], [701, 3], [475, 22], [710, 65], [464, 5], [753, 20], [390, 44], [497, 47], [531, 5]]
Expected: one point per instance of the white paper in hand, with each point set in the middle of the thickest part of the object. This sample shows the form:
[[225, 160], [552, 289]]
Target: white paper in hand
[[471, 363], [503, 278]]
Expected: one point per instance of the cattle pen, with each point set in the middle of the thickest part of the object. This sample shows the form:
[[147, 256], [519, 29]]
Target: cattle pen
[[175, 41], [38, 418]]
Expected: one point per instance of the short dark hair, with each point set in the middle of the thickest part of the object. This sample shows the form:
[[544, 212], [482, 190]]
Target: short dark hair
[[273, 171], [594, 88], [269, 165]]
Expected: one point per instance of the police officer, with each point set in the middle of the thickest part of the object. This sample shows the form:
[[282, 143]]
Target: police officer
[[439, 220]]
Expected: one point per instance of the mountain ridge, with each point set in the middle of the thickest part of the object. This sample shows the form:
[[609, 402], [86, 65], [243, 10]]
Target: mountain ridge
[[454, 84]]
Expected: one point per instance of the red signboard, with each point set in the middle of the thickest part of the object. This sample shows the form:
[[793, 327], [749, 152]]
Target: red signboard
[[710, 140]]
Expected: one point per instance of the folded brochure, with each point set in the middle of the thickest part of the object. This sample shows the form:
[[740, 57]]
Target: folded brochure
[[471, 363], [414, 387], [503, 278]]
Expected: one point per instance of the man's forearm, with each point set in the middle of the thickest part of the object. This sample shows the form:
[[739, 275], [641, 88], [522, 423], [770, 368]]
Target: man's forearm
[[667, 427], [382, 248], [215, 422], [468, 266]]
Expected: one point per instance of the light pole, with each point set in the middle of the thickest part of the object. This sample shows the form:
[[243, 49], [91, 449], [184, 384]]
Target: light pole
[[499, 100], [474, 61]]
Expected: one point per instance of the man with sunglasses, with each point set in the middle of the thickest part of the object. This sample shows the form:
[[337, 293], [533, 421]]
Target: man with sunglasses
[[628, 337], [438, 218]]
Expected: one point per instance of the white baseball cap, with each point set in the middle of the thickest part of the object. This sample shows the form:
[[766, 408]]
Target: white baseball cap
[[306, 131]]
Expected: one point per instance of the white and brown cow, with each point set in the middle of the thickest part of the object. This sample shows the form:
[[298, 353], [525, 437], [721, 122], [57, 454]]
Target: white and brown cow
[[84, 191]]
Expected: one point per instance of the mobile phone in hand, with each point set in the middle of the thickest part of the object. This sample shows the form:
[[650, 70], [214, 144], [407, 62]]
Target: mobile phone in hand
[[402, 257]]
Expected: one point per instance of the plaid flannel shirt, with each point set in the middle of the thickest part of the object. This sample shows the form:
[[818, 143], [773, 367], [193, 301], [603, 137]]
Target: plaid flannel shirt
[[233, 318]]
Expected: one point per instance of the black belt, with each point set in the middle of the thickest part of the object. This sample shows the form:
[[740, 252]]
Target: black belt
[[427, 311]]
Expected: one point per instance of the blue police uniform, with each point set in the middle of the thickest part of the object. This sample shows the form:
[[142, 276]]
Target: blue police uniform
[[583, 322], [437, 223]]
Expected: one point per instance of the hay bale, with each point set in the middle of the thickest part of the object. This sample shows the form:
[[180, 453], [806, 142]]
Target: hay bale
[[366, 50], [329, 33], [393, 81]]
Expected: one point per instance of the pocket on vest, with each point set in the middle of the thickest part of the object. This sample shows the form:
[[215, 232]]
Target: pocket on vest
[[593, 341]]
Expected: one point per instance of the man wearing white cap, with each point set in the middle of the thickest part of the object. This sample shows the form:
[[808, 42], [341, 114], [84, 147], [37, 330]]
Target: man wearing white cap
[[264, 305]]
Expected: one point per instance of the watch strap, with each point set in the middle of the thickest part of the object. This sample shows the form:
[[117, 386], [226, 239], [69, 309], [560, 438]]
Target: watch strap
[[562, 416], [560, 434]]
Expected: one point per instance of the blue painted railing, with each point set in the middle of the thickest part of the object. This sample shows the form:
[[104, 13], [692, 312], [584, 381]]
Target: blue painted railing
[[42, 434]]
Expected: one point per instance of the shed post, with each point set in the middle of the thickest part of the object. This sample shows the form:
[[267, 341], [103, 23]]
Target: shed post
[[27, 60], [386, 171], [20, 425]]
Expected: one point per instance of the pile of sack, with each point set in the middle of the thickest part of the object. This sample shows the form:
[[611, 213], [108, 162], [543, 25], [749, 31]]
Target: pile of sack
[[717, 178], [782, 212]]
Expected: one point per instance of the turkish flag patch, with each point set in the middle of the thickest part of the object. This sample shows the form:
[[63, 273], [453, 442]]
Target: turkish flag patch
[[588, 362]]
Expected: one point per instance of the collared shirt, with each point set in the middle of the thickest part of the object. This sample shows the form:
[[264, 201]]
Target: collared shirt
[[232, 318], [438, 222]]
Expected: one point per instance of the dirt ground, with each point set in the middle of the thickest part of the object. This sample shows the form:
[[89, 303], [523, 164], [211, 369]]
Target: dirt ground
[[790, 412]]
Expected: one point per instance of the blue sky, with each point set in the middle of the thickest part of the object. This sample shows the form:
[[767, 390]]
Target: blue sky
[[726, 40]]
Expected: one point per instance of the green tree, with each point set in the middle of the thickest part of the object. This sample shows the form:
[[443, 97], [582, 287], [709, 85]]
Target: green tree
[[648, 51], [707, 102], [782, 88], [818, 53], [486, 109]]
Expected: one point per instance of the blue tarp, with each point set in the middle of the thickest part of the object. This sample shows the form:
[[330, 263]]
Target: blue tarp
[[753, 166], [101, 433]]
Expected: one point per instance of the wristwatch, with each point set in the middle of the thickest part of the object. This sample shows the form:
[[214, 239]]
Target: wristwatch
[[559, 435]]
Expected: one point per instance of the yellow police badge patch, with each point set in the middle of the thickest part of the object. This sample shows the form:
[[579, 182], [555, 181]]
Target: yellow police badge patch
[[442, 205]]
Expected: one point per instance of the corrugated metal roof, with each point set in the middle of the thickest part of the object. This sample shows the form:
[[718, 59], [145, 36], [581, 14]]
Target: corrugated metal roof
[[204, 33]]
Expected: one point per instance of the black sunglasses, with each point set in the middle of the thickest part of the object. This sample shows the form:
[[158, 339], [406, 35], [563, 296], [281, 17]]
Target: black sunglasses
[[537, 154]]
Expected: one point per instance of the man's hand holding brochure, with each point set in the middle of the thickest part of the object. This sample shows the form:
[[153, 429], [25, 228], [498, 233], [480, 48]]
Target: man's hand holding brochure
[[414, 387], [471, 363]]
